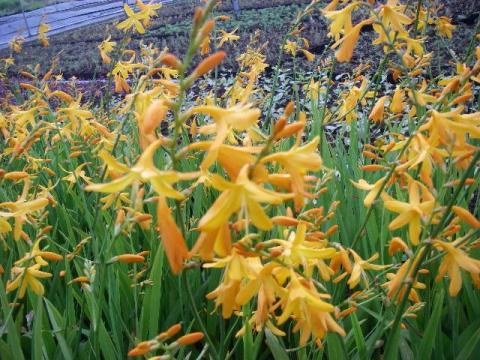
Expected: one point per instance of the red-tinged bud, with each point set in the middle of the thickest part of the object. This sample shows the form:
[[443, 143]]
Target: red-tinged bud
[[466, 216], [370, 155], [373, 167], [48, 255], [141, 349], [27, 74], [28, 87], [15, 175], [142, 217], [75, 154], [207, 28], [46, 230], [290, 130], [190, 338], [332, 230], [174, 330], [208, 64], [279, 125], [171, 61], [197, 16], [154, 115], [127, 259], [289, 109]]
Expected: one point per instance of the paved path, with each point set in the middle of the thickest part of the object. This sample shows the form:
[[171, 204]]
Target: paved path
[[61, 17]]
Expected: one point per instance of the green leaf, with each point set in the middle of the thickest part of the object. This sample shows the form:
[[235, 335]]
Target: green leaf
[[37, 330], [58, 326], [278, 351], [359, 338], [469, 347], [335, 347], [426, 346]]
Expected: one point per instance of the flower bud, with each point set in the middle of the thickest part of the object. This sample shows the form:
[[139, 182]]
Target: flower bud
[[208, 64], [190, 338]]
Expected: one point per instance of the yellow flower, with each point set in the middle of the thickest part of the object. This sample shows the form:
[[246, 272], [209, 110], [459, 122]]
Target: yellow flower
[[397, 105], [378, 110], [227, 37], [445, 27], [244, 195], [216, 241], [454, 259], [397, 284], [16, 44], [359, 267], [412, 212], [237, 268], [350, 101], [302, 302], [20, 209], [133, 20], [290, 47], [298, 251], [74, 176], [393, 19], [145, 171], [225, 121], [297, 162], [147, 11], [373, 189], [341, 20], [27, 277], [348, 42], [42, 34], [105, 48]]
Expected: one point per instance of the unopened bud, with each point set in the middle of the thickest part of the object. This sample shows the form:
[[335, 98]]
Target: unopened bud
[[208, 64], [190, 338]]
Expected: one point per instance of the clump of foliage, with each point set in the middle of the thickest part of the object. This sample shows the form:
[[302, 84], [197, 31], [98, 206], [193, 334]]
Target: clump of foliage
[[260, 230]]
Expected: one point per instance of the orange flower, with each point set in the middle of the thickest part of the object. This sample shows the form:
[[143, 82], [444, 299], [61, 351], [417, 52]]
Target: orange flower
[[172, 238]]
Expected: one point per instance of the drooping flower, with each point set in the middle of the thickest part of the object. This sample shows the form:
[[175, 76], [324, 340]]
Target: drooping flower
[[347, 43], [445, 27], [145, 171], [20, 209], [398, 283], [360, 266], [454, 260], [411, 213], [105, 48], [341, 20], [227, 37], [225, 121], [27, 278], [302, 302], [244, 195], [373, 189], [133, 20], [297, 162], [42, 34]]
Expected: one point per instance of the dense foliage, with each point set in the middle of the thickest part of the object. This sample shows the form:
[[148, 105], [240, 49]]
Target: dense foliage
[[187, 212]]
